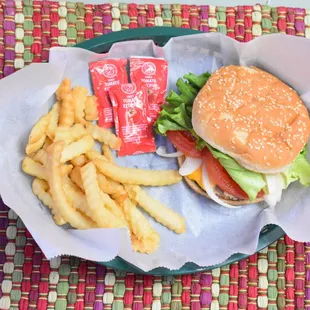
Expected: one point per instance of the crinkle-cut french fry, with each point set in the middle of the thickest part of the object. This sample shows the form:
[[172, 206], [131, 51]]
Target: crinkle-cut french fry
[[64, 89], [117, 186], [75, 176], [37, 135], [93, 154], [138, 223], [119, 198], [104, 184], [112, 188], [47, 143], [107, 153], [137, 176], [40, 185], [130, 190], [33, 147], [79, 94], [65, 169], [76, 197], [104, 136], [38, 170], [61, 203], [69, 135], [156, 209], [40, 188], [146, 246], [77, 148], [39, 129], [53, 121], [40, 157], [91, 108], [116, 209], [33, 168], [66, 113], [100, 214], [79, 161], [120, 193]]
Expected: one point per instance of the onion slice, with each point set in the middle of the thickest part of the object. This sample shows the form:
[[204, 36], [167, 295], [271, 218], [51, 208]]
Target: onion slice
[[275, 184], [162, 151], [190, 165], [210, 190]]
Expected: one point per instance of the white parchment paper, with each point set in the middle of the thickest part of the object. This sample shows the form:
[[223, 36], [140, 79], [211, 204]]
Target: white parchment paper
[[213, 233]]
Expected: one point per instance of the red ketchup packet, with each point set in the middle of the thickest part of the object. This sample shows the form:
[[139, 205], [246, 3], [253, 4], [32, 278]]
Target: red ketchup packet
[[153, 73], [105, 74], [132, 124]]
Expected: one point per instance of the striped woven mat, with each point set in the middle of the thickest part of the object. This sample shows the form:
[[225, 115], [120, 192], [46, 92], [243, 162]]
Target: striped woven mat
[[275, 278]]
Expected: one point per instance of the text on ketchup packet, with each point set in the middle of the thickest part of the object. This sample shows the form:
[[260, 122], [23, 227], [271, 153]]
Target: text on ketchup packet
[[105, 74], [132, 125], [153, 73]]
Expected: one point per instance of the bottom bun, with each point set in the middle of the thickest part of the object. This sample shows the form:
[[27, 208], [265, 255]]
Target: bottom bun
[[223, 196]]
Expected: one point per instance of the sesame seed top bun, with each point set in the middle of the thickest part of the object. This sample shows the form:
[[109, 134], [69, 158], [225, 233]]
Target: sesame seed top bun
[[252, 116]]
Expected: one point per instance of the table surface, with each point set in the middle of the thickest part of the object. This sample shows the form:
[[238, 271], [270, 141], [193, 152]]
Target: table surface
[[276, 278], [294, 3]]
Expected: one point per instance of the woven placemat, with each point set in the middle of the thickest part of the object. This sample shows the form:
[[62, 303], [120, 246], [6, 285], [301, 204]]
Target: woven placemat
[[275, 278]]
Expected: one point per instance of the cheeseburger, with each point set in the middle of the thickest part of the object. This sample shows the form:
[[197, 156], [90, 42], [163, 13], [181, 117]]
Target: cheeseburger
[[240, 135]]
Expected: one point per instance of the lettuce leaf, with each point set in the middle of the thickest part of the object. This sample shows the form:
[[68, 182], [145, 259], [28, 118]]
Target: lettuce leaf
[[197, 81], [174, 116], [251, 182], [177, 112], [299, 170], [173, 98], [200, 143], [166, 124]]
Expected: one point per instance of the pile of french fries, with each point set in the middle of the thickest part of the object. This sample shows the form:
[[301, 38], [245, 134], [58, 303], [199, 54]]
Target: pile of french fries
[[83, 186]]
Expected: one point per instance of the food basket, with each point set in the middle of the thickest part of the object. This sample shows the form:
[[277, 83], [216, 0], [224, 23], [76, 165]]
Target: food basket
[[160, 36]]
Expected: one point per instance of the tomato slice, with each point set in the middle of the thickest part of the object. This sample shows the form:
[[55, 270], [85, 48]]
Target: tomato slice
[[184, 143], [220, 177], [260, 194]]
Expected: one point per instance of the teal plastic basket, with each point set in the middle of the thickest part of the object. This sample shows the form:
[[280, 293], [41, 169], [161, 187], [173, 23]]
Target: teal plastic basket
[[160, 36]]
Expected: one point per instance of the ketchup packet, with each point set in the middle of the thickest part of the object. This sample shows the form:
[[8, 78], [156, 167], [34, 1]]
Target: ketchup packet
[[153, 73], [132, 125], [105, 74]]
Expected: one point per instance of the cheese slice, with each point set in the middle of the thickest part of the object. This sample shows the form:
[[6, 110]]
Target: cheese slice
[[197, 177]]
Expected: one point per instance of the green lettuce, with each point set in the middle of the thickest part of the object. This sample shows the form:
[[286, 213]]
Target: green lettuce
[[177, 113], [174, 117], [200, 143], [187, 92], [197, 81], [251, 182], [298, 171]]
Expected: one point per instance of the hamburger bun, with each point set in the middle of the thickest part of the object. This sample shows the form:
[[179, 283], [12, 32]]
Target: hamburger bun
[[253, 117], [223, 196]]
